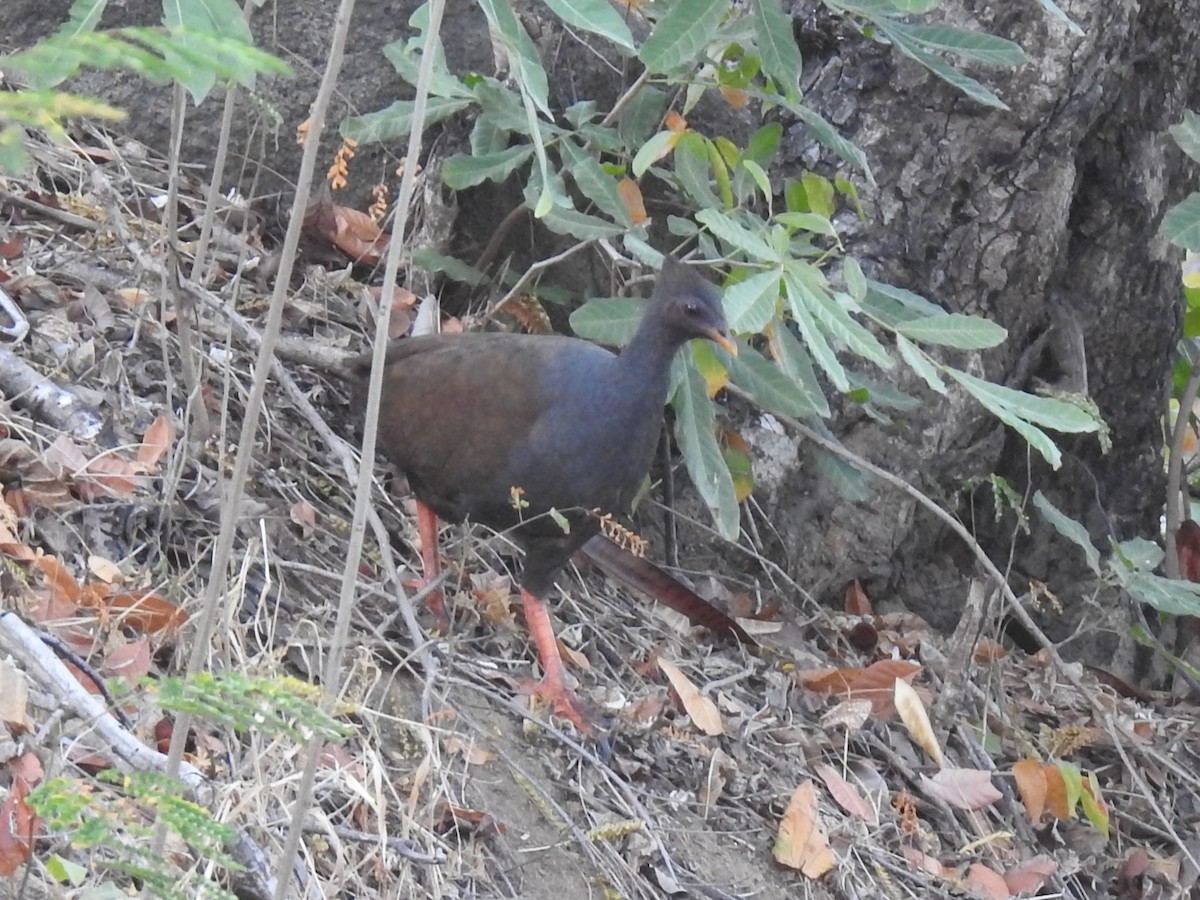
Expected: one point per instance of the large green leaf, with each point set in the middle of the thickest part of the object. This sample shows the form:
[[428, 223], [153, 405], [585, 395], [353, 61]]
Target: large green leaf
[[814, 337], [1175, 598], [596, 16], [777, 45], [1187, 134], [595, 183], [737, 235], [608, 320], [920, 363], [807, 284], [1049, 412], [794, 361], [829, 136], [692, 169], [564, 220], [1181, 224], [954, 330], [972, 45], [681, 34], [215, 17], [523, 55], [771, 388], [750, 304], [695, 432], [463, 171], [938, 66], [1070, 529], [396, 121]]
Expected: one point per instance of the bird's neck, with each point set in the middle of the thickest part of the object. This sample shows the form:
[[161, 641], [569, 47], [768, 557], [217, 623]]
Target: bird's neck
[[646, 360]]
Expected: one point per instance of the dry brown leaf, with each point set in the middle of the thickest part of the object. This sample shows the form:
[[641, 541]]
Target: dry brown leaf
[[1030, 778], [18, 826], [675, 122], [1056, 793], [801, 842], [963, 788], [916, 719], [988, 650], [304, 514], [156, 442], [130, 661], [701, 709], [877, 683], [846, 795], [106, 570], [1029, 876], [142, 610], [61, 583], [923, 862], [473, 753], [828, 681], [631, 198], [988, 882], [856, 602]]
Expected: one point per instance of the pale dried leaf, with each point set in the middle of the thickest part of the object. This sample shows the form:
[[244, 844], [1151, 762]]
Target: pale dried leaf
[[703, 711], [916, 719], [849, 714], [801, 842], [14, 695]]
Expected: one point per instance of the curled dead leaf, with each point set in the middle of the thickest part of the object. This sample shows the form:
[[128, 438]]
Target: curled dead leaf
[[701, 709], [801, 842]]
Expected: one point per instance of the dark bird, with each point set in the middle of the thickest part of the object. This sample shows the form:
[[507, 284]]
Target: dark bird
[[471, 417]]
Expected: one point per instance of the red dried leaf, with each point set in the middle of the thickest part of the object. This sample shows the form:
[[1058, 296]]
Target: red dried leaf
[[1030, 778], [18, 825], [1187, 548], [62, 584], [846, 794], [130, 661], [877, 683], [856, 602], [1029, 876], [631, 198], [988, 882], [156, 442], [142, 610]]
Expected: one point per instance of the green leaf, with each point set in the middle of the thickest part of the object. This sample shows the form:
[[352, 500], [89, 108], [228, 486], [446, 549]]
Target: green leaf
[[1070, 529], [919, 363], [814, 338], [652, 151], [794, 361], [406, 60], [764, 144], [805, 284], [692, 170], [642, 116], [608, 320], [938, 66], [432, 261], [750, 304], [681, 34], [914, 7], [695, 432], [892, 305], [1175, 598], [760, 178], [579, 225], [856, 281], [971, 45], [1048, 412], [522, 54], [219, 18], [596, 184], [64, 871], [720, 172], [737, 236], [396, 121], [462, 171], [1141, 553], [595, 16], [771, 388], [808, 222], [829, 136], [954, 330], [1056, 10], [777, 45], [1181, 224]]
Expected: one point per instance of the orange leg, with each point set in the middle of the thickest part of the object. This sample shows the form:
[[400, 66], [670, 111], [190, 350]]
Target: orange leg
[[552, 687], [427, 531]]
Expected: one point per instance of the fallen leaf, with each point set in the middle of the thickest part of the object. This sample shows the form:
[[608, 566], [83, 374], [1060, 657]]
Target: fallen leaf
[[155, 442], [988, 882], [877, 683], [801, 842], [106, 570], [849, 714], [916, 719], [1029, 876], [846, 795], [856, 601], [1030, 779], [17, 828], [923, 862], [141, 610], [130, 661], [701, 709], [62, 584], [963, 788]]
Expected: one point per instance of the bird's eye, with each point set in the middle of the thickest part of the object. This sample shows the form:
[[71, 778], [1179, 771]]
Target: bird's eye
[[691, 308]]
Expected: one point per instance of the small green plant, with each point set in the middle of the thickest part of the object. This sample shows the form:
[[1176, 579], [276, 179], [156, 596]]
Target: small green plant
[[199, 46], [114, 826]]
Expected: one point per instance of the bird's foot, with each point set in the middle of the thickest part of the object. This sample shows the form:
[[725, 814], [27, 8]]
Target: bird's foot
[[566, 703]]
